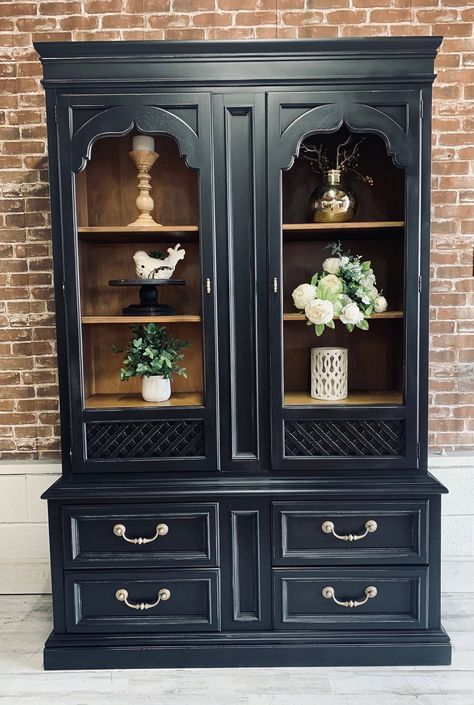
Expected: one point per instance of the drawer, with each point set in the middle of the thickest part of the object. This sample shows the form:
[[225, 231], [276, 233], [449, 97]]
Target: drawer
[[305, 532], [305, 598], [171, 601], [155, 534]]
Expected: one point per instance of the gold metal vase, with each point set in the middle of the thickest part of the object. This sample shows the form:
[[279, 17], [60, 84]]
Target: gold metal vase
[[332, 201]]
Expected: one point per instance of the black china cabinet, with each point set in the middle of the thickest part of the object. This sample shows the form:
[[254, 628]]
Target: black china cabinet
[[243, 520]]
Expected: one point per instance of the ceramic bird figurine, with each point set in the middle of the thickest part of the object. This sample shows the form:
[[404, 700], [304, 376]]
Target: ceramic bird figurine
[[148, 267]]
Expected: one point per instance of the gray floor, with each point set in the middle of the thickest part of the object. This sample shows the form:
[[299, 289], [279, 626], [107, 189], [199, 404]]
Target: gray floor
[[25, 623]]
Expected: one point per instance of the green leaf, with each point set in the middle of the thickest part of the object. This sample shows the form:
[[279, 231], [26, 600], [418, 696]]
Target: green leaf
[[319, 328], [363, 325], [152, 351], [314, 279], [366, 266], [350, 327], [330, 324]]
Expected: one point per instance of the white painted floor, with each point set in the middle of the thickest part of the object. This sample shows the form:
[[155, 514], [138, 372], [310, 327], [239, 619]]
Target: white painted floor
[[25, 623]]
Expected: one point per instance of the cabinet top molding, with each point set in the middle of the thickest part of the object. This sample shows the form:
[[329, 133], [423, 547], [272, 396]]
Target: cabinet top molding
[[270, 61]]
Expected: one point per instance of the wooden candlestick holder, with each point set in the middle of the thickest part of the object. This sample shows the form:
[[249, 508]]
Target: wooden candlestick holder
[[144, 160]]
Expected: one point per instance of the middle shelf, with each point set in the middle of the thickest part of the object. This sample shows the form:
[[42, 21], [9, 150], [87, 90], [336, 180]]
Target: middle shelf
[[179, 318], [386, 314]]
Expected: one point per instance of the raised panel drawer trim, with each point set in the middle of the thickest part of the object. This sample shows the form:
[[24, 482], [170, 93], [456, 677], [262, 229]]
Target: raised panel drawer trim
[[410, 584], [351, 518], [92, 605], [197, 549]]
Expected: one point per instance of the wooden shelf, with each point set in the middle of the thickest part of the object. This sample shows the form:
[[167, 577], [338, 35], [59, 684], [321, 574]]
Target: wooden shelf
[[112, 401], [94, 320], [352, 225], [386, 314], [131, 229], [124, 233], [354, 399]]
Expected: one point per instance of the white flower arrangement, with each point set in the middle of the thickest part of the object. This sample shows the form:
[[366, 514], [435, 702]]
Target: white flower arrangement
[[345, 289]]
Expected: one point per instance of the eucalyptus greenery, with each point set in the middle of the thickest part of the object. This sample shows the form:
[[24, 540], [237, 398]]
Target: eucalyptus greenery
[[152, 351]]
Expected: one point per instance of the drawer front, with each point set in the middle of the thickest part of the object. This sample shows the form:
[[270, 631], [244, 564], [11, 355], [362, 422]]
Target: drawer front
[[172, 601], [399, 600], [155, 534], [390, 532]]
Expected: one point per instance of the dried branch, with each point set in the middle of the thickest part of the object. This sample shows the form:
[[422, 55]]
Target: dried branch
[[316, 155], [339, 147], [347, 158]]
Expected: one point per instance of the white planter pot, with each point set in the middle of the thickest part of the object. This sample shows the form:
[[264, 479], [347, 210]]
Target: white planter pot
[[329, 373], [156, 388]]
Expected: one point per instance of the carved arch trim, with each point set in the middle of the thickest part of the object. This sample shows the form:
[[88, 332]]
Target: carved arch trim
[[120, 120], [359, 118]]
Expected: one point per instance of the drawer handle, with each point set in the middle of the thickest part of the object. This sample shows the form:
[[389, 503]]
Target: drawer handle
[[370, 592], [122, 596], [119, 530], [370, 526]]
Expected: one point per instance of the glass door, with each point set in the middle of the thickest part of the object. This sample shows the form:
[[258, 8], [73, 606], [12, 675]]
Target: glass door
[[343, 356], [141, 292]]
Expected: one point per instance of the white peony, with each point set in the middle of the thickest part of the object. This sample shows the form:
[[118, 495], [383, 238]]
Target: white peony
[[380, 304], [332, 283], [319, 311], [303, 294], [332, 265], [351, 313]]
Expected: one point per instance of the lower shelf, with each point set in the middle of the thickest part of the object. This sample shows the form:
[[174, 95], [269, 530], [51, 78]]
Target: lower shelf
[[353, 399], [113, 401]]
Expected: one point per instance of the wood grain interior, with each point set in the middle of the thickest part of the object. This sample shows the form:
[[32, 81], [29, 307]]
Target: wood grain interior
[[353, 399], [130, 400], [375, 356], [101, 262], [107, 189], [102, 365], [105, 196]]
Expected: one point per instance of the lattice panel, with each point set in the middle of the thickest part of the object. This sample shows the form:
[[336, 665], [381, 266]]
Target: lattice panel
[[148, 439], [343, 438]]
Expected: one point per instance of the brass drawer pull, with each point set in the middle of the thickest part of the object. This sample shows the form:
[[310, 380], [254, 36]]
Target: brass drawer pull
[[370, 592], [119, 530], [370, 526], [122, 596]]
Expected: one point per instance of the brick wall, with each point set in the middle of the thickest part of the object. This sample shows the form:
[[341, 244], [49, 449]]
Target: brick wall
[[28, 384]]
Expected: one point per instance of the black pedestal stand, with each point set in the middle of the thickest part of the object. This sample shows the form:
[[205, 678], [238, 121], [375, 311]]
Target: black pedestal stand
[[148, 305]]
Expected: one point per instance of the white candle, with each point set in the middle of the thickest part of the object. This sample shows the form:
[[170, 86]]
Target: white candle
[[144, 143]]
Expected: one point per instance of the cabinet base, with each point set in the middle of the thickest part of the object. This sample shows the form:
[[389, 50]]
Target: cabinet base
[[66, 652]]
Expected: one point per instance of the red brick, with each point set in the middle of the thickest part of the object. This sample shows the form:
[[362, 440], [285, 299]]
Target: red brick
[[301, 19], [149, 6], [246, 4], [212, 19], [100, 7], [192, 5], [255, 18], [79, 22]]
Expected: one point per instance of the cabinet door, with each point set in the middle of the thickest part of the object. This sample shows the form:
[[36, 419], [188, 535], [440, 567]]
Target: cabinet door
[[239, 143], [113, 429], [377, 134]]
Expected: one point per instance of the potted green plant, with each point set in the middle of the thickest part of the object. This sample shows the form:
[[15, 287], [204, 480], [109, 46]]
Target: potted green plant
[[155, 356]]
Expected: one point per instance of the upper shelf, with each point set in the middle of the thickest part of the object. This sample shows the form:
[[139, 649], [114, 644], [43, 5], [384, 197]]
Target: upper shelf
[[352, 225], [125, 233]]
